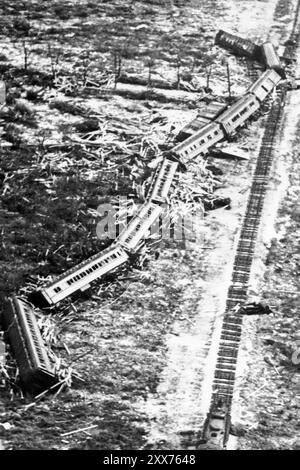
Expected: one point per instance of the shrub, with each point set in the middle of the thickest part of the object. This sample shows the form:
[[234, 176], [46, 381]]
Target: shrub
[[23, 108], [32, 95], [62, 12], [67, 107], [12, 134]]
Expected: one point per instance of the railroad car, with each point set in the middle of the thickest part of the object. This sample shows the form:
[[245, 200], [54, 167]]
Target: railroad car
[[270, 58], [198, 143], [131, 237], [265, 84], [205, 116], [238, 113], [189, 129], [162, 180], [238, 45], [21, 329], [80, 277], [211, 110], [217, 424]]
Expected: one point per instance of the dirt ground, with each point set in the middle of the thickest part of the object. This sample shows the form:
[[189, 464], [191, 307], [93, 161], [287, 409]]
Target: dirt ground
[[139, 343]]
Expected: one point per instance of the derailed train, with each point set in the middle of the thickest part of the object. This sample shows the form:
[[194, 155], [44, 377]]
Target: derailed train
[[269, 57], [224, 125], [264, 53], [36, 370]]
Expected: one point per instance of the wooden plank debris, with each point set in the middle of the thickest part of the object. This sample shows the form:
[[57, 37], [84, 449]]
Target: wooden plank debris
[[79, 430]]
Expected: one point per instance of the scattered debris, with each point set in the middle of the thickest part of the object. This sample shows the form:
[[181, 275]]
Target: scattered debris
[[229, 152], [6, 426], [255, 308], [79, 430]]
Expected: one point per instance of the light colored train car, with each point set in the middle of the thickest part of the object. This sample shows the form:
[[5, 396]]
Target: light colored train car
[[80, 277], [198, 143], [161, 182], [238, 113], [270, 58], [265, 84], [206, 115], [138, 227], [211, 110], [193, 126]]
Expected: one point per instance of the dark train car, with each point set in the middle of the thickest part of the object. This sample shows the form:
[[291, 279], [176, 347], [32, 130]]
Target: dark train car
[[240, 46], [22, 331]]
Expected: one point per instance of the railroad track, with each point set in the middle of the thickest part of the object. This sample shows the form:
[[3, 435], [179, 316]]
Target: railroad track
[[216, 427]]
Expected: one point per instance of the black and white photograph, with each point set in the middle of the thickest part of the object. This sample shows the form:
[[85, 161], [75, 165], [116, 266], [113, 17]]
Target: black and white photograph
[[149, 228]]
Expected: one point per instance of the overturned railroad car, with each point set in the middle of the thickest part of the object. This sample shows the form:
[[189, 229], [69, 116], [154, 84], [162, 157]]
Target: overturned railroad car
[[205, 116], [264, 85], [198, 143], [270, 59], [191, 128], [131, 237], [22, 331], [238, 113], [162, 181], [240, 46], [80, 277]]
